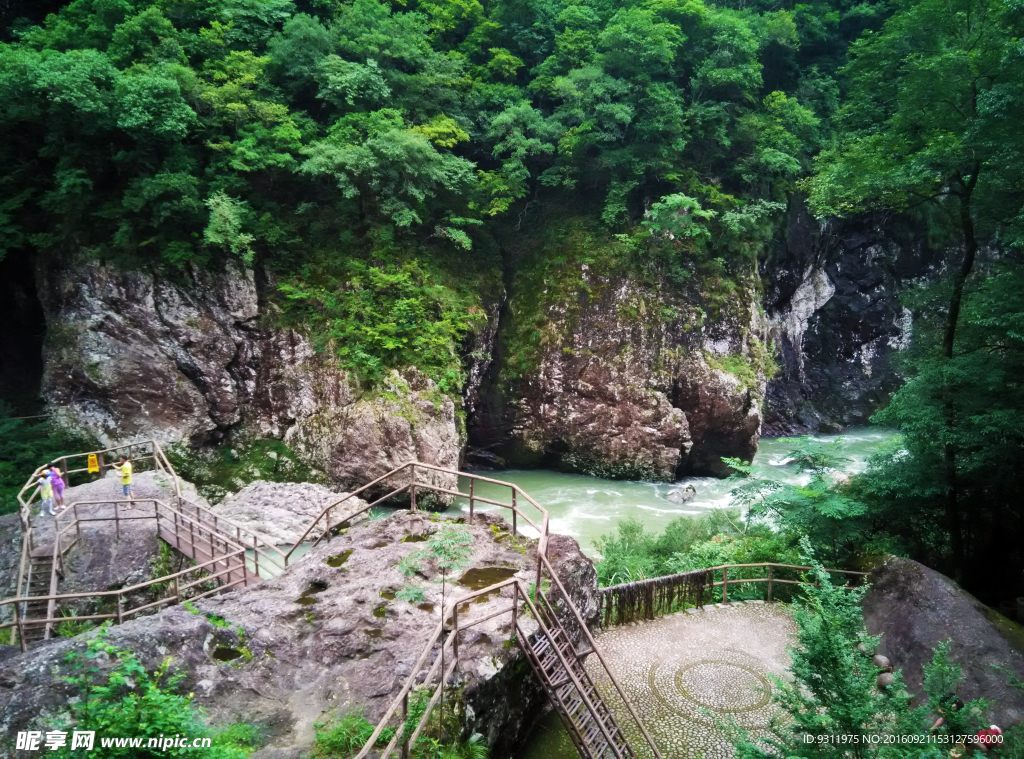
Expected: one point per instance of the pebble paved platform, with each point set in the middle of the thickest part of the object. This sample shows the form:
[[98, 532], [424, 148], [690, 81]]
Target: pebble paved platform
[[689, 672]]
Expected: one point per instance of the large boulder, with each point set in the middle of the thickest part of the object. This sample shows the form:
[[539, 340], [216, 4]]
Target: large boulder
[[133, 354], [913, 608], [283, 511], [606, 370]]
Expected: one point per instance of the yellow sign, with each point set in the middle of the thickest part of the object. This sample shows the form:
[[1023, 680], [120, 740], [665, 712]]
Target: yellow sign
[[94, 464]]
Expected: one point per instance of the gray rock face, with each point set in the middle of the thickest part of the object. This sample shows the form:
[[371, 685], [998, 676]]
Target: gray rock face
[[326, 636], [623, 386], [914, 608], [832, 298], [281, 510], [132, 355]]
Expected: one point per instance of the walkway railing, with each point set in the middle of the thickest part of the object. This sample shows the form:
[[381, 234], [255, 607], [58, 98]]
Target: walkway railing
[[78, 464], [336, 514], [226, 567], [544, 619], [186, 523], [658, 596]]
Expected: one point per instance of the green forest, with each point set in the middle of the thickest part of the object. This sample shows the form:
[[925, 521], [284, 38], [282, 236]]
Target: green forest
[[371, 159]]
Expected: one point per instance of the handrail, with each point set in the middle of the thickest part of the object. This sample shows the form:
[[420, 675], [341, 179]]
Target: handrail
[[30, 485], [211, 523], [233, 561], [122, 591], [450, 610], [726, 581], [600, 657]]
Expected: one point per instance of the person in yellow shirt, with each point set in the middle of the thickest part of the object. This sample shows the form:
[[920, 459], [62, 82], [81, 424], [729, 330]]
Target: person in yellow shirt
[[46, 493], [125, 467]]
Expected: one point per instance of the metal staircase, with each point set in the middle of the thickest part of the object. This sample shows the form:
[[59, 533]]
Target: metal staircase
[[586, 716]]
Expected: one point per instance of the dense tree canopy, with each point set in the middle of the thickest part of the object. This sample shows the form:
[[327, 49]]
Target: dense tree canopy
[[326, 139]]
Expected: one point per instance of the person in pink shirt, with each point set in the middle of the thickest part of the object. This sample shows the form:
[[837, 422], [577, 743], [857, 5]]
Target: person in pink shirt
[[57, 482]]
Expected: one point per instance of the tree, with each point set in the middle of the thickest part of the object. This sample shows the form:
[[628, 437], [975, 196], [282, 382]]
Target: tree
[[832, 704], [822, 509], [904, 486], [450, 546], [933, 116]]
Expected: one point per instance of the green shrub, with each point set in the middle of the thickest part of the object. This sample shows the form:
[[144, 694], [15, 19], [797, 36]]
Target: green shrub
[[374, 318], [832, 698], [344, 737], [716, 537], [411, 593], [232, 466], [128, 701]]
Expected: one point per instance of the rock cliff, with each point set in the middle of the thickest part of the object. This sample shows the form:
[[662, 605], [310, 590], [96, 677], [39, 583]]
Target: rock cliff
[[585, 361], [832, 297], [133, 354], [600, 369]]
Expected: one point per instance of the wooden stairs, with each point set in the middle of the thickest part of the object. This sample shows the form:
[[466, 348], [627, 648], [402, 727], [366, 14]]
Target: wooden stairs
[[39, 580]]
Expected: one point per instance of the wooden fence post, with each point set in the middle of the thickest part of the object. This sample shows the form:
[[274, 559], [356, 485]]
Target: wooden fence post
[[412, 487], [472, 480], [21, 629], [515, 603], [725, 585], [405, 717], [455, 631], [769, 583], [513, 513]]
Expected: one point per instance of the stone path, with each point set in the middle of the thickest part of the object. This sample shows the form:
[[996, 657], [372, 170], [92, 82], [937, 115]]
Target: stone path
[[688, 673]]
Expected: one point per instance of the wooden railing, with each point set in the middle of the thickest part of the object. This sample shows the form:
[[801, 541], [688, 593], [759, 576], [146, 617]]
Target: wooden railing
[[137, 453], [151, 451], [538, 520], [445, 638], [335, 515], [228, 558], [198, 519], [658, 608]]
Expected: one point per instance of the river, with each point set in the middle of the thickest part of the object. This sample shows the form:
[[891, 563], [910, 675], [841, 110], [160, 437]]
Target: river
[[588, 507]]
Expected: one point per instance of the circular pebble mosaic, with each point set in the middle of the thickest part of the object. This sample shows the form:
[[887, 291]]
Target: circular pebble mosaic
[[690, 674]]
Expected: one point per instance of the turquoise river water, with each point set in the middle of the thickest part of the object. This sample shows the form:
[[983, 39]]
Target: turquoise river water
[[587, 507]]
